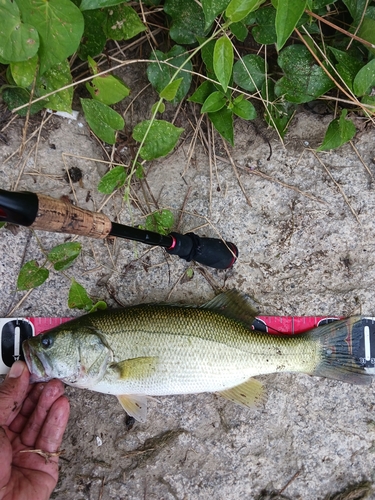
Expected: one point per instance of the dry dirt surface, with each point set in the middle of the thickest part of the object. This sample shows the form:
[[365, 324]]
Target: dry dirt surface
[[305, 228]]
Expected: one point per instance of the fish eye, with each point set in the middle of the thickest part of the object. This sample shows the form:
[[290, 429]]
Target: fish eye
[[47, 342]]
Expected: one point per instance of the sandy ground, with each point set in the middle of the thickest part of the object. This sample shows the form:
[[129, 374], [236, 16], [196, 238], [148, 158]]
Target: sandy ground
[[306, 240]]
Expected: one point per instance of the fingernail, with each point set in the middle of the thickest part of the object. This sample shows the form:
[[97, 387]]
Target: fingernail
[[16, 370]]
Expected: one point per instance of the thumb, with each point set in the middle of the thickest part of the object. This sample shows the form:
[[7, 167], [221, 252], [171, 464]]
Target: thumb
[[13, 392]]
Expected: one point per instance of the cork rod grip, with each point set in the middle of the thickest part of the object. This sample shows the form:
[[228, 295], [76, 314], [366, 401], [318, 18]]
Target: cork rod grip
[[62, 217]]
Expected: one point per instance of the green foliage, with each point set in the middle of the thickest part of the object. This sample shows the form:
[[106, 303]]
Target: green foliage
[[19, 41], [59, 24], [338, 133], [265, 30], [38, 38], [122, 23], [103, 120], [160, 222], [39, 41], [187, 20], [365, 79], [249, 72], [107, 89], [54, 79], [211, 9], [223, 61], [288, 13], [114, 179], [303, 79], [31, 275], [239, 9], [62, 256], [158, 137], [170, 85], [78, 299]]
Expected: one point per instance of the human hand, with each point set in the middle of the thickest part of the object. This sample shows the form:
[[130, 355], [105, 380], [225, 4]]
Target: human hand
[[33, 419]]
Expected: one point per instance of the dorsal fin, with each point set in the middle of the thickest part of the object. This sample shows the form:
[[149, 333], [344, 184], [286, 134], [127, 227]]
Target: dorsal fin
[[234, 305]]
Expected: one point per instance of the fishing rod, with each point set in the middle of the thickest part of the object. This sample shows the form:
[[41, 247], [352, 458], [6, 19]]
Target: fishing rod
[[39, 211]]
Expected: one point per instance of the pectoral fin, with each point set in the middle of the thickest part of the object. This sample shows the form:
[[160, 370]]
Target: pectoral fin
[[136, 368], [135, 405], [250, 394]]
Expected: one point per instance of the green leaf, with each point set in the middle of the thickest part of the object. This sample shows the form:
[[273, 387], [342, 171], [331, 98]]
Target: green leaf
[[303, 79], [243, 108], [62, 256], [211, 9], [369, 102], [56, 77], [288, 13], [60, 27], [249, 72], [107, 89], [187, 20], [207, 53], [122, 23], [355, 8], [347, 65], [367, 32], [239, 30], [189, 273], [239, 9], [223, 122], [364, 79], [18, 96], [98, 4], [114, 179], [158, 107], [160, 140], [160, 74], [202, 92], [19, 41], [23, 73], [93, 39], [103, 120], [338, 133], [223, 61], [214, 102], [160, 222], [169, 92], [101, 305], [31, 275], [265, 31], [78, 297]]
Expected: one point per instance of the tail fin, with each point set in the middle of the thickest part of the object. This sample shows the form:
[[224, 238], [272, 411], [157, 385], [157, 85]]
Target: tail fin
[[340, 343]]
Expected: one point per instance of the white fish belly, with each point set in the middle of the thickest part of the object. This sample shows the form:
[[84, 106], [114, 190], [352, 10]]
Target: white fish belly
[[181, 365]]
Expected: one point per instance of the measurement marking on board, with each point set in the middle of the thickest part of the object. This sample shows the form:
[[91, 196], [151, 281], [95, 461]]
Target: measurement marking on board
[[367, 343], [17, 338]]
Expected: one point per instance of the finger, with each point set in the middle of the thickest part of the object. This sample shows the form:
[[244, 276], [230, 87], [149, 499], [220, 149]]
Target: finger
[[5, 459], [52, 391], [51, 434], [27, 408], [13, 391]]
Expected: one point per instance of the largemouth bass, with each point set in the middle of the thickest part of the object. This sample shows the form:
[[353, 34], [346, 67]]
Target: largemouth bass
[[156, 350]]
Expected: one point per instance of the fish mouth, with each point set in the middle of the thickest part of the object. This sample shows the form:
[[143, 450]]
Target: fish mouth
[[34, 364]]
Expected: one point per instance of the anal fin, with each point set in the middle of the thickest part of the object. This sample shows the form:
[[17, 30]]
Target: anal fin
[[250, 394], [135, 405]]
